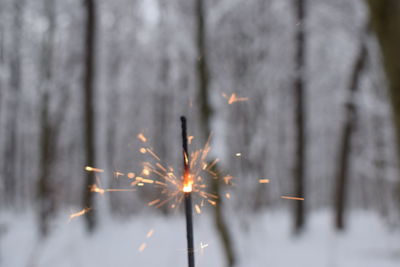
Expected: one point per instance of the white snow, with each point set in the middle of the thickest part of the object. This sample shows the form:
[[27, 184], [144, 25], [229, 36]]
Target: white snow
[[267, 241]]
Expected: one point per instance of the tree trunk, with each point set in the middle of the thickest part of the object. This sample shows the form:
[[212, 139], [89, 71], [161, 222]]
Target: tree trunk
[[385, 20], [205, 123], [342, 175], [300, 117], [47, 146], [89, 113], [10, 165]]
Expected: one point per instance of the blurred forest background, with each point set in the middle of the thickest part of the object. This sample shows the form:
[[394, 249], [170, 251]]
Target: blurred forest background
[[80, 79]]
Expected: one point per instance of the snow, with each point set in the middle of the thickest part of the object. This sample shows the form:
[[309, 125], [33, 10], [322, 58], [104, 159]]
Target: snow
[[265, 241]]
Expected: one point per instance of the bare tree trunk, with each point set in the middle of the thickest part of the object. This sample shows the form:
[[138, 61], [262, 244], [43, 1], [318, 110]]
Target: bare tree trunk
[[205, 120], [300, 117], [385, 20], [344, 154], [47, 145], [89, 113], [10, 165]]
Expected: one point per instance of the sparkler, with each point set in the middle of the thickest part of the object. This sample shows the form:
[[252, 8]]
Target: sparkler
[[187, 189]]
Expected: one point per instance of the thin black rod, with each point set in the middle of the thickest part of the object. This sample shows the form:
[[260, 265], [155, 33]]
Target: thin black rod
[[188, 197]]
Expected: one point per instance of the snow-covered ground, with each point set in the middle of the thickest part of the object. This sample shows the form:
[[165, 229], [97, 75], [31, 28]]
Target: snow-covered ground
[[265, 241]]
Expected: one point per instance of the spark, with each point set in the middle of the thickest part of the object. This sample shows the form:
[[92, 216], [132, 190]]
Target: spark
[[228, 179], [150, 233], [143, 180], [94, 188], [263, 181], [212, 202], [292, 198], [202, 247], [228, 196], [91, 169], [197, 208], [190, 138], [238, 154], [142, 247], [151, 203], [173, 185], [234, 98], [146, 171], [117, 174], [142, 138], [79, 213]]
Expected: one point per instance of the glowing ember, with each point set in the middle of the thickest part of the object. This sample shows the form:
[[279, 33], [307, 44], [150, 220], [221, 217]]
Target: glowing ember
[[202, 247], [117, 174], [91, 169], [238, 154], [94, 188], [187, 183], [234, 98], [197, 208], [131, 175], [150, 233], [151, 203], [142, 247], [79, 213], [292, 198], [143, 150], [263, 181], [142, 138], [146, 172]]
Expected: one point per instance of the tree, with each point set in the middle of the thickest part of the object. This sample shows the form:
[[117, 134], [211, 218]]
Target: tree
[[300, 115], [10, 165], [344, 154], [46, 204], [205, 122], [385, 21], [89, 113]]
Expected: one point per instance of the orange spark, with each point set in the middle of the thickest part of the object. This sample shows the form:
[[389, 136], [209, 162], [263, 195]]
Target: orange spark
[[117, 174], [142, 150], [131, 175], [150, 233], [94, 188], [146, 172], [142, 138], [142, 247], [228, 179], [212, 202], [187, 183], [263, 181], [234, 98], [197, 208], [79, 213], [143, 180], [151, 203], [293, 198], [91, 169]]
